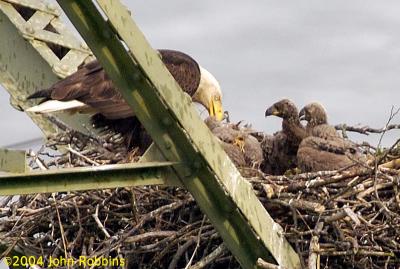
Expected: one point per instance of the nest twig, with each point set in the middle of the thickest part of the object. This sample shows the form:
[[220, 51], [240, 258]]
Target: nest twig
[[340, 219]]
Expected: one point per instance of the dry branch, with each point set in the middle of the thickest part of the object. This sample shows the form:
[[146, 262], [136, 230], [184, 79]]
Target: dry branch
[[341, 218]]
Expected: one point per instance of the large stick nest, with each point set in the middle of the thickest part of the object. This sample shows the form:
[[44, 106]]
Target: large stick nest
[[343, 218]]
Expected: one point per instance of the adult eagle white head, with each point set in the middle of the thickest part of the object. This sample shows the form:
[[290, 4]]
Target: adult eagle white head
[[90, 90]]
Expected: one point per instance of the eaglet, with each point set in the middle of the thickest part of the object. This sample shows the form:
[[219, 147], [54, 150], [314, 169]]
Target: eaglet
[[317, 121], [242, 148], [323, 149], [280, 150]]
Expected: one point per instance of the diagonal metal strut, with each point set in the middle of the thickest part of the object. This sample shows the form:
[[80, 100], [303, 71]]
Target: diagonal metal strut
[[173, 123]]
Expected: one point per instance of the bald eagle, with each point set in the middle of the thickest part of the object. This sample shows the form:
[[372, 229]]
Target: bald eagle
[[90, 90], [280, 150]]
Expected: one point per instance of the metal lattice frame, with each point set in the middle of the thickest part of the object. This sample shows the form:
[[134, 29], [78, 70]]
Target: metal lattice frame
[[48, 35], [198, 161], [36, 34]]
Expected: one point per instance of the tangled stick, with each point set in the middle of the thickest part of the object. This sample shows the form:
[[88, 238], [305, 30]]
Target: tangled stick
[[340, 219]]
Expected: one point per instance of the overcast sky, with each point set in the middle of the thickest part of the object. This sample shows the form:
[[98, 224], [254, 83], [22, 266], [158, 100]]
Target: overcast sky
[[345, 54]]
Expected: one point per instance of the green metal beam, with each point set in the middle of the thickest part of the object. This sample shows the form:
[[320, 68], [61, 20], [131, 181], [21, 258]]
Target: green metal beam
[[87, 178], [12, 161], [27, 61], [169, 117]]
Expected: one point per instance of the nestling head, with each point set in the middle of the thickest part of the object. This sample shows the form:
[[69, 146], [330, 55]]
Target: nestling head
[[314, 113], [284, 109]]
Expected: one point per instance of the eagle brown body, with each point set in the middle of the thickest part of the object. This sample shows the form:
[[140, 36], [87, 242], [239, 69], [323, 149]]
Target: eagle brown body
[[91, 85], [319, 154], [279, 156], [280, 150], [324, 149]]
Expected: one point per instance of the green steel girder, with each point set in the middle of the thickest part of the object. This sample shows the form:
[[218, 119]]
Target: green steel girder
[[169, 117], [86, 178], [29, 41], [152, 169], [12, 161]]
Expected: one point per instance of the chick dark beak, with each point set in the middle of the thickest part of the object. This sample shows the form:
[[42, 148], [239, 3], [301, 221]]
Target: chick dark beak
[[302, 114], [272, 111]]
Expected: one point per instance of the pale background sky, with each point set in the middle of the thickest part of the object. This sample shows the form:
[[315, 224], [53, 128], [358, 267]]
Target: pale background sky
[[345, 54]]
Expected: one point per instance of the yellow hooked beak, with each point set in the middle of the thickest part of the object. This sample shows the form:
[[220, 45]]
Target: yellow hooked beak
[[215, 108]]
